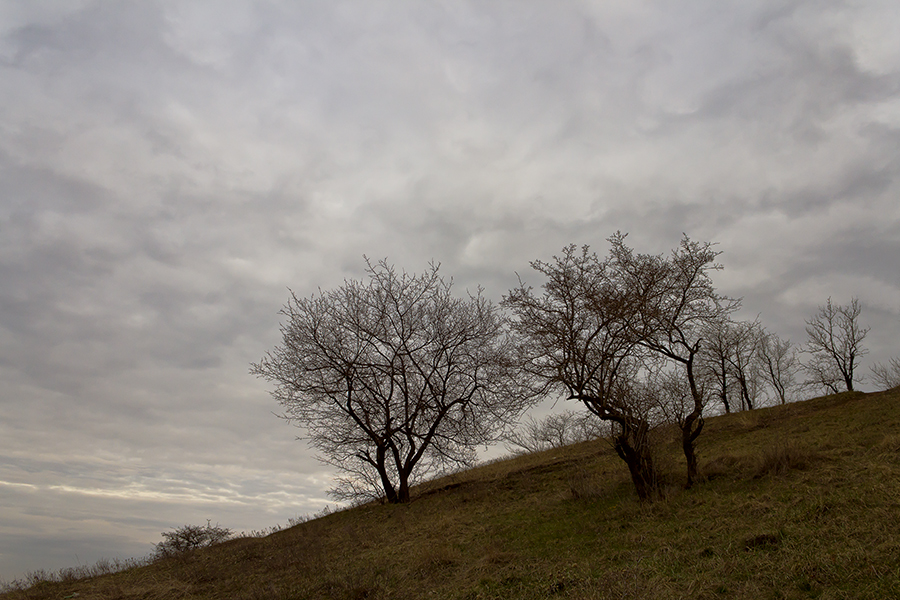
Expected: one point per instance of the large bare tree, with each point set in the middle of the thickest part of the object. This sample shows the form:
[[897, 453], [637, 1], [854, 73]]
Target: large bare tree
[[834, 344], [395, 378], [574, 338], [602, 326], [675, 304]]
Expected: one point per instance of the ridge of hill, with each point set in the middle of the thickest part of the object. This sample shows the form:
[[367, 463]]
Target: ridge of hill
[[797, 501]]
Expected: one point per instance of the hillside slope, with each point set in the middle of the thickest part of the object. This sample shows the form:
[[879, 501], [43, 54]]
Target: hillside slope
[[799, 501]]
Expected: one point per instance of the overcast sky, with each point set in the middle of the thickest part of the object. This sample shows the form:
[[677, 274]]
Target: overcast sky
[[169, 168]]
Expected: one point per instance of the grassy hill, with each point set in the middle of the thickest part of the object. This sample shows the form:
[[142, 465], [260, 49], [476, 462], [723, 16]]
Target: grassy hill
[[798, 501]]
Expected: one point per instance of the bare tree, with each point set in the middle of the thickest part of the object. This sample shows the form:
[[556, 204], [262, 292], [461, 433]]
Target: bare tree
[[575, 338], [729, 362], [746, 336], [185, 539], [780, 364], [602, 325], [675, 303], [553, 431], [886, 376], [835, 346], [395, 378], [714, 368]]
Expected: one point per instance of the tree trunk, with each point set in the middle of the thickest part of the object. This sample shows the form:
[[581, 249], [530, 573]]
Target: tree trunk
[[724, 388], [638, 457], [746, 400], [403, 492], [688, 434], [781, 394], [691, 459], [390, 493]]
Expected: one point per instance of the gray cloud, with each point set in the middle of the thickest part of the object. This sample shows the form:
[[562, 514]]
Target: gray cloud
[[169, 169]]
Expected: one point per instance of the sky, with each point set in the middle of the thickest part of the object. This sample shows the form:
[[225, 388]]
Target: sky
[[169, 169]]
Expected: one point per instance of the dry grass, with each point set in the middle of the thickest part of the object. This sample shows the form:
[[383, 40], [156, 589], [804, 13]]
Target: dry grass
[[799, 501]]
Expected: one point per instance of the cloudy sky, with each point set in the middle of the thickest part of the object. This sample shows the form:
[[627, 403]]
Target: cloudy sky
[[169, 168]]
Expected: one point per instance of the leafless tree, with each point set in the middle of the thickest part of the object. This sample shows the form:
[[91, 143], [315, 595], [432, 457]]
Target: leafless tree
[[675, 303], [835, 346], [714, 368], [780, 364], [395, 378], [553, 431], [575, 338], [886, 376], [729, 362], [602, 325], [744, 361]]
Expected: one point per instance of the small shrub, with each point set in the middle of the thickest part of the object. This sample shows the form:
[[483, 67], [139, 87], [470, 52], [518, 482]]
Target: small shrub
[[327, 510], [190, 537], [70, 574]]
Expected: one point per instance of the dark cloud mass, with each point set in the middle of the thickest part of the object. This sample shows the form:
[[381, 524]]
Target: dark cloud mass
[[168, 169]]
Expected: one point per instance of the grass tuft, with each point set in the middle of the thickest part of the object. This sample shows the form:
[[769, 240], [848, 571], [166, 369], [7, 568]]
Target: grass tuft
[[782, 458], [584, 484]]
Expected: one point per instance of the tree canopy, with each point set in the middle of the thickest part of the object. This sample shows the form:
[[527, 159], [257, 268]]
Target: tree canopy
[[605, 330], [395, 378]]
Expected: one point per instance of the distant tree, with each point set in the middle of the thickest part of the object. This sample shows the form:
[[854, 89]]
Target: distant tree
[[729, 362], [715, 366], [835, 346], [744, 361], [190, 537], [553, 431], [886, 376], [395, 378], [780, 364]]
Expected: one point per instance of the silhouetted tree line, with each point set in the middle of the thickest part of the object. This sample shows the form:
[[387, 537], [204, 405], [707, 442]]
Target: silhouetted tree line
[[396, 378]]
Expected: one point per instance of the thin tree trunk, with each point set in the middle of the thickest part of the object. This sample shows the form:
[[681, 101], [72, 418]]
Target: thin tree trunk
[[724, 388], [689, 432]]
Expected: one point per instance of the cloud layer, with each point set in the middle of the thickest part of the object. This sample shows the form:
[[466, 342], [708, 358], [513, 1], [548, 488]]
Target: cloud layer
[[169, 169]]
